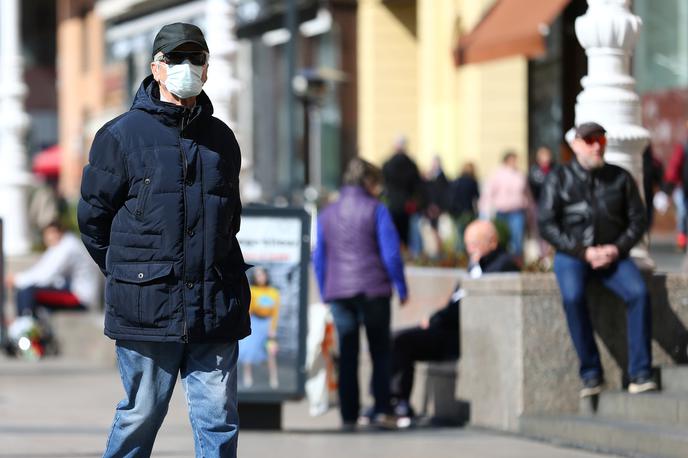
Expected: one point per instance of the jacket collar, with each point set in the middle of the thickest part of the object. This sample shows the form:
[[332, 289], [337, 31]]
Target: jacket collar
[[490, 257], [148, 99], [353, 191], [580, 171]]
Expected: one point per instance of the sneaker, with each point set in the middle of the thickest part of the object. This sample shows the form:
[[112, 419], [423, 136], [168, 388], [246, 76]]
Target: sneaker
[[404, 422], [642, 384], [591, 387], [366, 418], [384, 421], [370, 419]]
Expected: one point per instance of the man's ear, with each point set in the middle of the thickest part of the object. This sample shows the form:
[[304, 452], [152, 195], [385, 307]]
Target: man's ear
[[155, 70]]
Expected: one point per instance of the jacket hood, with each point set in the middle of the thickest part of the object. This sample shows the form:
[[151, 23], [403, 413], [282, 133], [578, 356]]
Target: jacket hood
[[147, 99]]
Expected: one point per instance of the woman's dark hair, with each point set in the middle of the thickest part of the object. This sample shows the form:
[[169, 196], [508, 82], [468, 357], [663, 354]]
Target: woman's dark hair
[[362, 173], [508, 155]]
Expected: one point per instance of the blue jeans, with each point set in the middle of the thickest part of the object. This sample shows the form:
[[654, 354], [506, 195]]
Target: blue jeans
[[348, 316], [680, 203], [624, 280], [516, 221], [149, 372]]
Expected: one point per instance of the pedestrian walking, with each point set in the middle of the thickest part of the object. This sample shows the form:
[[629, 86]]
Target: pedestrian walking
[[403, 192], [159, 214], [674, 178], [463, 200], [653, 181], [357, 259], [544, 163], [506, 196], [591, 212]]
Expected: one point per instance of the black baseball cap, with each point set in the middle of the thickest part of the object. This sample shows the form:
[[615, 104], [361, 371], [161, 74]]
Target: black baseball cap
[[173, 35], [589, 128]]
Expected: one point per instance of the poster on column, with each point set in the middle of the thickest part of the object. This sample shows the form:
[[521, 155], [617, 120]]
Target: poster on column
[[276, 242]]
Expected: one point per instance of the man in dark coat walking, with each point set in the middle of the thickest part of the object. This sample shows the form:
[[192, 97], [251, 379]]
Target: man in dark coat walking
[[403, 189], [159, 214]]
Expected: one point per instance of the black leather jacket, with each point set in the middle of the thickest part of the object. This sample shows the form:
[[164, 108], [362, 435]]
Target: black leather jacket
[[580, 208]]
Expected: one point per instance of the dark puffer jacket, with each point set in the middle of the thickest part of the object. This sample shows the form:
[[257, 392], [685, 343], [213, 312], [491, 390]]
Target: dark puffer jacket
[[579, 209], [159, 214]]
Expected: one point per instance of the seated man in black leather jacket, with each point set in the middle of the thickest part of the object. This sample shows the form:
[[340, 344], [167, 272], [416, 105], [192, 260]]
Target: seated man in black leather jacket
[[591, 212], [437, 338]]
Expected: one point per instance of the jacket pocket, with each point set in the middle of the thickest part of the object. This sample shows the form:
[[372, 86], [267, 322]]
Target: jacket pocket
[[140, 294], [144, 192], [232, 296]]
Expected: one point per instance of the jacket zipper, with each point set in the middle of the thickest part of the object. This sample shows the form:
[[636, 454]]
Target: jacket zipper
[[185, 165]]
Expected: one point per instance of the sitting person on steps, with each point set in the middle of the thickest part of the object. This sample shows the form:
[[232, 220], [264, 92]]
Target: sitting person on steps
[[437, 338]]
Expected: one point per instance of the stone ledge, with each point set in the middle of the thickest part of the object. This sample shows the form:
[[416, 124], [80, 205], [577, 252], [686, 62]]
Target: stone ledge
[[517, 355]]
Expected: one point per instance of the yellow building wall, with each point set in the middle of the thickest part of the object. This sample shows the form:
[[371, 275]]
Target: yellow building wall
[[80, 79], [473, 112], [387, 79]]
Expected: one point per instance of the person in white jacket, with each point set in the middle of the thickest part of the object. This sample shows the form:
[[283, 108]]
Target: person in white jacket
[[65, 277]]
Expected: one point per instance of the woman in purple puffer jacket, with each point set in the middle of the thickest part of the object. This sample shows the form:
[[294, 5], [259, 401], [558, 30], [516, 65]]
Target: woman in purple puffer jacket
[[357, 259]]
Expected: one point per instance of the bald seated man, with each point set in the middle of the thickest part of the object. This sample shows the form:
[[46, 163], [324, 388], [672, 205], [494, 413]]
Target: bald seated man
[[437, 338]]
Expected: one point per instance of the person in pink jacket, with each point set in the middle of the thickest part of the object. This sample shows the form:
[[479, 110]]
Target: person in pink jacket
[[505, 195]]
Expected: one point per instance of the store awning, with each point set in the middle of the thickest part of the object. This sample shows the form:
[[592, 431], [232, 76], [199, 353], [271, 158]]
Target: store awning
[[511, 27]]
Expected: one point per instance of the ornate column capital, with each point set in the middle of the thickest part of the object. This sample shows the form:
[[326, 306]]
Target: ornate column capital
[[608, 24]]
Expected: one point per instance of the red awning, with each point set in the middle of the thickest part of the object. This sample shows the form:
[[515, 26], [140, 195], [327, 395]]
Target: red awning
[[511, 27], [48, 162]]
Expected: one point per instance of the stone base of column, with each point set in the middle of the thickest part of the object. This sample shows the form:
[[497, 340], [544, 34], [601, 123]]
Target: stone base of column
[[13, 207]]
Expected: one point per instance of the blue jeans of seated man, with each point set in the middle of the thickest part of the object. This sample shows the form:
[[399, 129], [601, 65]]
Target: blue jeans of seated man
[[349, 315], [624, 280], [149, 372]]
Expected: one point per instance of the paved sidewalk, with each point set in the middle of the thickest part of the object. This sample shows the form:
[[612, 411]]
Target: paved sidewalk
[[63, 409]]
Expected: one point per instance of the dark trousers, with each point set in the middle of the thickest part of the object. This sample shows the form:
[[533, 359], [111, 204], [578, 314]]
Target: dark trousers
[[349, 315], [32, 297], [624, 280], [417, 344], [401, 221]]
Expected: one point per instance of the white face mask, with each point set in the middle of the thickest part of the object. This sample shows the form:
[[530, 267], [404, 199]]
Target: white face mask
[[184, 80]]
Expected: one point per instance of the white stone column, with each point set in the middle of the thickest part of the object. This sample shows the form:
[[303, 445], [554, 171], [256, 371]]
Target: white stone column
[[14, 179], [608, 31], [223, 85]]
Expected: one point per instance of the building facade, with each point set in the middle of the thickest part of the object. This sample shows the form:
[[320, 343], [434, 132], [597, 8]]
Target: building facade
[[467, 80]]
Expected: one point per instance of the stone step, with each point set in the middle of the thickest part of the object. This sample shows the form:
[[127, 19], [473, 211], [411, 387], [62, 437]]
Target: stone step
[[675, 379], [654, 408], [609, 435]]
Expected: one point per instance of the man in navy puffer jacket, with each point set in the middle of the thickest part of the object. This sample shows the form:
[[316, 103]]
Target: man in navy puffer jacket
[[159, 214]]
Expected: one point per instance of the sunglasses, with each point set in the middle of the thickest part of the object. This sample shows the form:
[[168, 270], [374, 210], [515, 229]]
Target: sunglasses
[[177, 57], [601, 139]]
